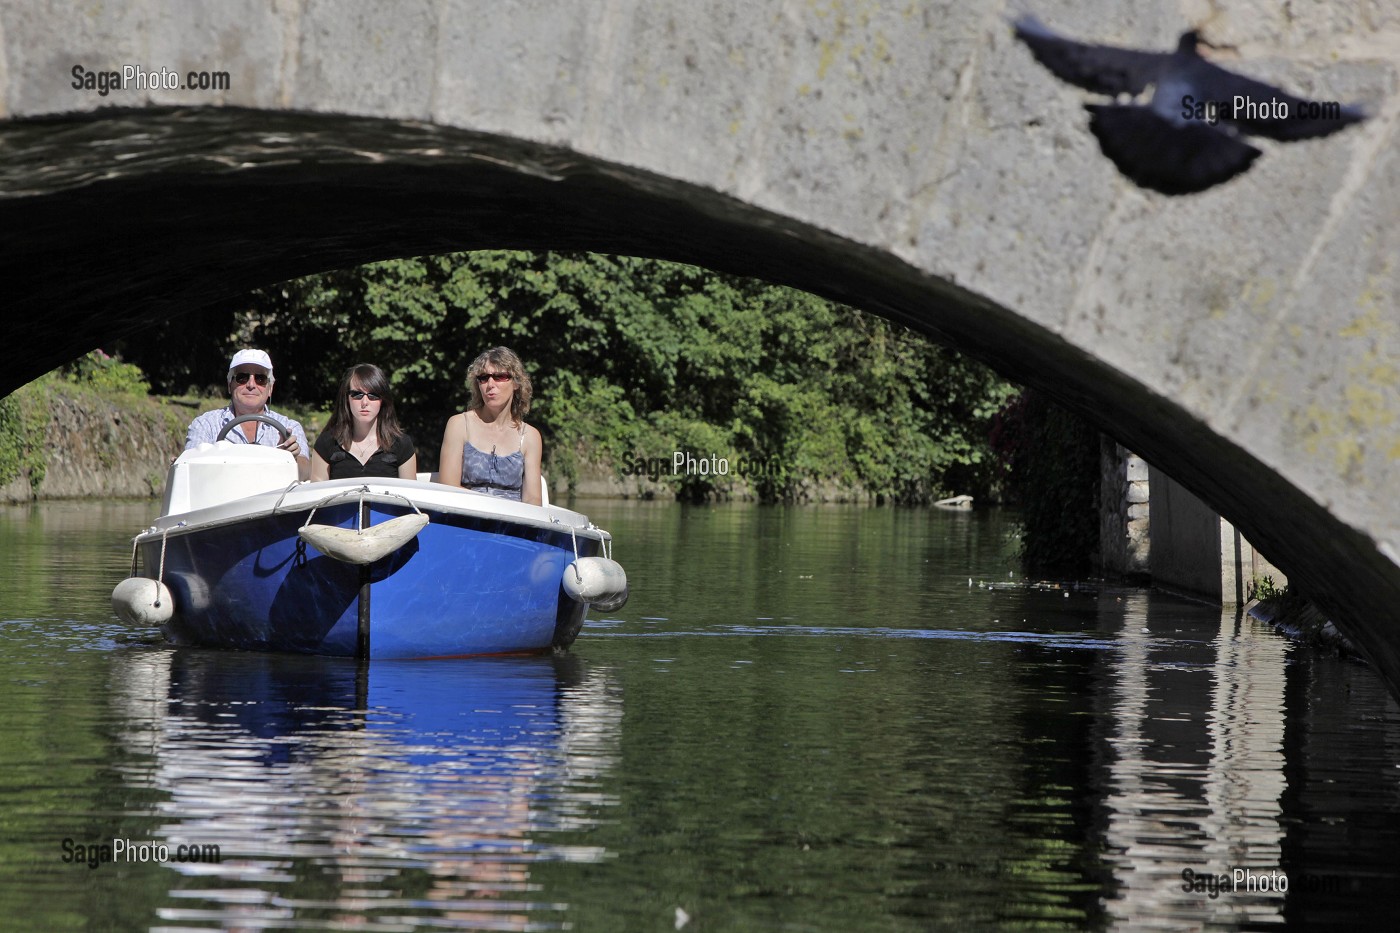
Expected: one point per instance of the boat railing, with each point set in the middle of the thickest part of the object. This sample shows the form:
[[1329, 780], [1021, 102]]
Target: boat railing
[[544, 485]]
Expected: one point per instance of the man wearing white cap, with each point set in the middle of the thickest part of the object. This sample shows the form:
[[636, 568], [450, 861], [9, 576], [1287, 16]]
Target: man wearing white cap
[[249, 387]]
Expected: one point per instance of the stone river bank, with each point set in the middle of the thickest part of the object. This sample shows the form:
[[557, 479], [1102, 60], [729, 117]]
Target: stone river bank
[[87, 445]]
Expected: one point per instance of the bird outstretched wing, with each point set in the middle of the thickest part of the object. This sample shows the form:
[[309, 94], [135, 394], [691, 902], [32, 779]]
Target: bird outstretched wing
[[1103, 69], [1275, 113], [1173, 158]]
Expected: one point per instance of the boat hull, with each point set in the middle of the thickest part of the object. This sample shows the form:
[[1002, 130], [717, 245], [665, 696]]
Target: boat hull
[[467, 584]]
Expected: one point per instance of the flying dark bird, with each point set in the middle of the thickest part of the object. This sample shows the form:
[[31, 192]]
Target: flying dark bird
[[1189, 134]]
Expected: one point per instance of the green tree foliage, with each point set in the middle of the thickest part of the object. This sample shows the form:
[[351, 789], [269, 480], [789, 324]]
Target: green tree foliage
[[104, 373], [637, 358], [1052, 461]]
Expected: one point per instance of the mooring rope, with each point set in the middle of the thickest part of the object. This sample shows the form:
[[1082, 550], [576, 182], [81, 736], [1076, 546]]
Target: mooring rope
[[573, 536], [160, 574], [278, 504], [604, 541], [361, 491]]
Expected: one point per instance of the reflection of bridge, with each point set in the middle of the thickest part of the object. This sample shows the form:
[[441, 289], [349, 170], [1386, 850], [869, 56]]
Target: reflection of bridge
[[912, 163], [1217, 805]]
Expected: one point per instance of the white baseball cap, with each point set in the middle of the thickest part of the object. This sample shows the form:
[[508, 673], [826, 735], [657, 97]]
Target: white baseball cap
[[250, 358]]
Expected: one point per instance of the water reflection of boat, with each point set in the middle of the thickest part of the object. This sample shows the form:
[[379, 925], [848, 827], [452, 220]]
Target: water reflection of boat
[[244, 556], [277, 697], [437, 784]]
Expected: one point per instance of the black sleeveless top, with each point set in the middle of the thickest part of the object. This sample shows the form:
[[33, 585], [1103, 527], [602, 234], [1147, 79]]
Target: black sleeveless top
[[381, 463]]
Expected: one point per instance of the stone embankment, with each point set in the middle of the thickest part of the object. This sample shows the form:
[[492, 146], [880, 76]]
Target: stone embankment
[[96, 447], [1303, 622]]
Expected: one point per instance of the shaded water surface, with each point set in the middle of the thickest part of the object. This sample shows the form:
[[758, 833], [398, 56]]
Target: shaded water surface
[[821, 719]]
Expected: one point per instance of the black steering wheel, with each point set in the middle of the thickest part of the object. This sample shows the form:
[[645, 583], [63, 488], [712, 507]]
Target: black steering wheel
[[265, 419]]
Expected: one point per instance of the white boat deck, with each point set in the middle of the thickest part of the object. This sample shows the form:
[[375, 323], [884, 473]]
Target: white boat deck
[[224, 482]]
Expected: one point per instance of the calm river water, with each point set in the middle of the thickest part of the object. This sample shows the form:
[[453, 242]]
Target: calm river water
[[816, 719]]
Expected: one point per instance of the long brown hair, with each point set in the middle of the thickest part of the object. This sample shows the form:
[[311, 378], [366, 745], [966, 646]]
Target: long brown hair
[[372, 379], [502, 358]]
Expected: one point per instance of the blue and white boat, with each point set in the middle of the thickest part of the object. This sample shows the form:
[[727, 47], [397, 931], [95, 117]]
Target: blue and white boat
[[245, 556]]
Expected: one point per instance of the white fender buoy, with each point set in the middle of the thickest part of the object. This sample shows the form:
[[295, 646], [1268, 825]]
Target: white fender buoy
[[143, 601], [612, 603], [367, 545], [598, 581]]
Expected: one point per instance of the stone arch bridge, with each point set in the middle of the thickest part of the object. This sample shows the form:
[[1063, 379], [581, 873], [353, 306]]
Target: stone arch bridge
[[906, 157]]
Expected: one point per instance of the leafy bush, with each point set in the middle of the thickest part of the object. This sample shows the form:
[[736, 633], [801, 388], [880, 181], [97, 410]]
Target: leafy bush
[[1264, 588], [105, 373]]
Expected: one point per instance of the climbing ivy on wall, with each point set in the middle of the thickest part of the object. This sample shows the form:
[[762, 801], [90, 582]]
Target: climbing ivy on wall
[[1052, 462], [23, 418]]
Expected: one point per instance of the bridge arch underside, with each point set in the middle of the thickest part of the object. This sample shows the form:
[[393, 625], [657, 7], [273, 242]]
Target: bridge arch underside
[[118, 219]]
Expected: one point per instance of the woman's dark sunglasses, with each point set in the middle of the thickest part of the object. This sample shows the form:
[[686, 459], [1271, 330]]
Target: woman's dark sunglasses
[[486, 377], [260, 378], [356, 394]]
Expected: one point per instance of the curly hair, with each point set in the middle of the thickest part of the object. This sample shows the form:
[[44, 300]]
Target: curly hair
[[502, 359]]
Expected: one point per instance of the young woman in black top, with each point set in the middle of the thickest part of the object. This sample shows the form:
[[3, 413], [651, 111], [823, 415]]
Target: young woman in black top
[[364, 437]]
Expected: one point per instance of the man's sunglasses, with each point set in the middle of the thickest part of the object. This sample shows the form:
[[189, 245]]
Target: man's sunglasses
[[487, 377], [356, 394], [241, 378]]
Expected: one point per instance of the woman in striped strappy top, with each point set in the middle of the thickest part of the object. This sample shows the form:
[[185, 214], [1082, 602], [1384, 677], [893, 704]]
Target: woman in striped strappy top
[[489, 448]]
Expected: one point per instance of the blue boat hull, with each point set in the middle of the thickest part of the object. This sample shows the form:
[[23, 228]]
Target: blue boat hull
[[466, 585]]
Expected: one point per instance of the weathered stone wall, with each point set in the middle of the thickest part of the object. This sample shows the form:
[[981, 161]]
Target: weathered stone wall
[[1124, 513], [98, 449], [1197, 553]]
